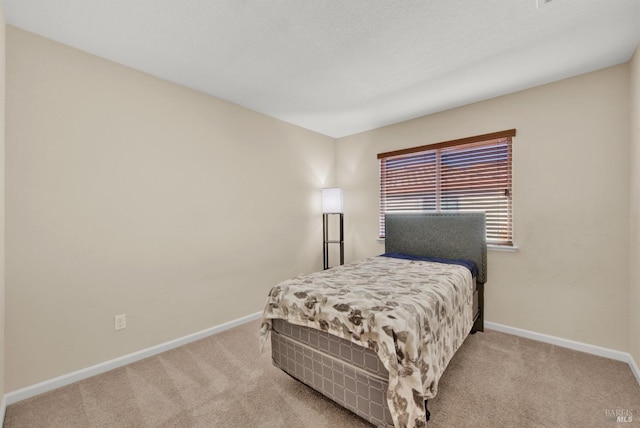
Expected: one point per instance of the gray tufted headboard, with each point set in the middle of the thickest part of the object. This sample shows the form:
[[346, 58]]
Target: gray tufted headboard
[[445, 235]]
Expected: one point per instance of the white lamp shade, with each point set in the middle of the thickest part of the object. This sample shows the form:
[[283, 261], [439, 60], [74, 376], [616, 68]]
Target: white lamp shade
[[332, 200]]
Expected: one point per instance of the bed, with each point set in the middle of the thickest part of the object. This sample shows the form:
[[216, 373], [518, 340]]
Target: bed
[[376, 334]]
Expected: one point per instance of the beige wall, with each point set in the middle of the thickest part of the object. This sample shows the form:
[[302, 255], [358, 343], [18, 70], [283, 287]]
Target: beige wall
[[634, 307], [2, 167], [570, 275], [128, 194]]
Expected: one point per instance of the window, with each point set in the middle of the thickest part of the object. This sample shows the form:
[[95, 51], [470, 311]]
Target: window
[[471, 174]]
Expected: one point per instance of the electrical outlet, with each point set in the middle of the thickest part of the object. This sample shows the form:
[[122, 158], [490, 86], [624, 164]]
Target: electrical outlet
[[120, 321]]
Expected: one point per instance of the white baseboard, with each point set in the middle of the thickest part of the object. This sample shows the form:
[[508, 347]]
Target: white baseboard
[[570, 344], [51, 384], [634, 368]]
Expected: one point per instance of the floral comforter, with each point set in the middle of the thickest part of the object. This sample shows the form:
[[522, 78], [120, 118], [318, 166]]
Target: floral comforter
[[413, 314]]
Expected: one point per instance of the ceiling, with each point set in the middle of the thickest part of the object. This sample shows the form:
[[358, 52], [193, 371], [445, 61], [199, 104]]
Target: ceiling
[[339, 67]]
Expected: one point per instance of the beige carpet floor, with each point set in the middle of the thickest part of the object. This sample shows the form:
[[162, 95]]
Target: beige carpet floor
[[495, 380]]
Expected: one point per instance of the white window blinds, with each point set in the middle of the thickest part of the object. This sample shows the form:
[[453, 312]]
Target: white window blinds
[[471, 174]]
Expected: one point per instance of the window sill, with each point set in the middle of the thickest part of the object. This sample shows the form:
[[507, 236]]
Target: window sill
[[489, 247], [502, 248]]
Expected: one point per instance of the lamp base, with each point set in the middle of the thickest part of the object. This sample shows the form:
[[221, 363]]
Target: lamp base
[[326, 241]]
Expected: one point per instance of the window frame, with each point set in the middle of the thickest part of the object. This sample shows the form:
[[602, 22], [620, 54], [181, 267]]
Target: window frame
[[435, 150]]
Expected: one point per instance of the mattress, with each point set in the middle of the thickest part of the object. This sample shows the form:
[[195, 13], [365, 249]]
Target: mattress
[[413, 315]]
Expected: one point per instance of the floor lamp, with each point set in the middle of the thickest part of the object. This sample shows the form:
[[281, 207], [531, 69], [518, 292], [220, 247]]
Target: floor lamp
[[332, 205]]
